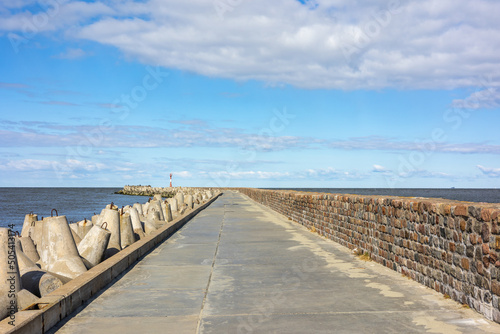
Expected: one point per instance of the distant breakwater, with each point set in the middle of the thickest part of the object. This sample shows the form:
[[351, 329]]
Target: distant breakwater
[[167, 192], [141, 190], [49, 253]]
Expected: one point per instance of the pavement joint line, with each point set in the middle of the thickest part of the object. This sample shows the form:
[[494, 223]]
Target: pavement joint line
[[316, 313], [200, 317]]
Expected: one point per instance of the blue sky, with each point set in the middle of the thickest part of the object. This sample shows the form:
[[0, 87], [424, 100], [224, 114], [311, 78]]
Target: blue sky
[[291, 93]]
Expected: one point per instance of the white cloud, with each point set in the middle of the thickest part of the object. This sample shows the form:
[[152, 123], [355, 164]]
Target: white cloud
[[491, 172], [486, 98], [51, 16], [30, 165], [43, 134], [421, 173], [72, 54], [133, 136], [425, 146], [182, 174], [323, 174], [313, 174], [380, 169], [246, 175], [320, 44]]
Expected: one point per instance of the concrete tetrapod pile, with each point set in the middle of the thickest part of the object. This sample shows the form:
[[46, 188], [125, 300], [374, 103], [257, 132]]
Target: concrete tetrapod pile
[[50, 252]]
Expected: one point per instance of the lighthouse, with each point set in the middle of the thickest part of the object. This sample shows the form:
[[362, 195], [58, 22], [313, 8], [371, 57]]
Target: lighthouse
[[170, 180]]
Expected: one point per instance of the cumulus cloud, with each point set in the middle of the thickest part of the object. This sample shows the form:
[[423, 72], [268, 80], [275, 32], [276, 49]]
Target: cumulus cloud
[[341, 44], [491, 172]]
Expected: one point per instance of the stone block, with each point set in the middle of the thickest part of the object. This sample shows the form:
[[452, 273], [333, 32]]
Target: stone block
[[461, 210]]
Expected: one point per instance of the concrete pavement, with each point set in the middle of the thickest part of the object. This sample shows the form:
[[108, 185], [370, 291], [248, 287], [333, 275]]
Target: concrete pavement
[[238, 267]]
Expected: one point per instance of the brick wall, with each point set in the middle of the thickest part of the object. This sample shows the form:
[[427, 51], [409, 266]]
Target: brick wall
[[452, 247]]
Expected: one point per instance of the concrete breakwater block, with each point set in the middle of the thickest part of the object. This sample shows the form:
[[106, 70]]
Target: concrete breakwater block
[[189, 201], [29, 224], [145, 208], [29, 248], [95, 220], [36, 234], [84, 227], [34, 279], [74, 227], [167, 212], [154, 219], [173, 205], [138, 207], [112, 220], [75, 235], [156, 206], [198, 199], [150, 223], [111, 207], [153, 215], [136, 223], [180, 200], [17, 243], [149, 227], [127, 237], [58, 251], [93, 246]]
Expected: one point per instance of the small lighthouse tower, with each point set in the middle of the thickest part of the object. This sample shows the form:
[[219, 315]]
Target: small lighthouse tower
[[170, 180]]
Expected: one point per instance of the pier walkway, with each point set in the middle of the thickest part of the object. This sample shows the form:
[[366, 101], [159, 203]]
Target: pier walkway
[[238, 267]]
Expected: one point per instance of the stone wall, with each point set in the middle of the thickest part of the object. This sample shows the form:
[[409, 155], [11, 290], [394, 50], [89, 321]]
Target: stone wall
[[452, 247]]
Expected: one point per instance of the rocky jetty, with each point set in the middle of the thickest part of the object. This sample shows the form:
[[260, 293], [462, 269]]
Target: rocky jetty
[[167, 192]]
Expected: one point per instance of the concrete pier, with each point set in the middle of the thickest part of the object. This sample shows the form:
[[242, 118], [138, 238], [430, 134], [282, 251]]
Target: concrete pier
[[238, 267]]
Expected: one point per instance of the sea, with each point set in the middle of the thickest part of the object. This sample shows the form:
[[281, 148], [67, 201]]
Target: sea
[[79, 203], [74, 203]]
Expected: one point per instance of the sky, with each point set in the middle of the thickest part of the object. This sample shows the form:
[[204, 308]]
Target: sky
[[228, 93]]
